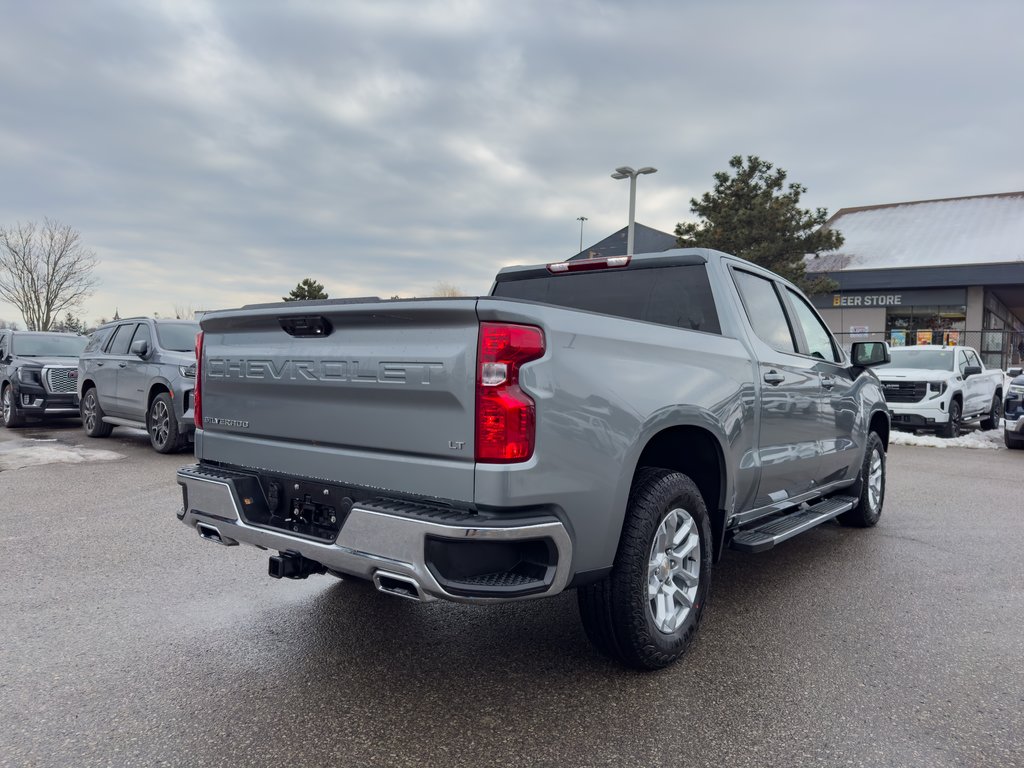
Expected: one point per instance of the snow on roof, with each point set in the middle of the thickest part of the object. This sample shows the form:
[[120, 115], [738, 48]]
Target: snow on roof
[[985, 229]]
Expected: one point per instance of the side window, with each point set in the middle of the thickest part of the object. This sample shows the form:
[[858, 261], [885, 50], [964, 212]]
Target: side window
[[972, 359], [3, 345], [142, 334], [764, 310], [819, 341], [961, 361], [97, 340], [122, 339]]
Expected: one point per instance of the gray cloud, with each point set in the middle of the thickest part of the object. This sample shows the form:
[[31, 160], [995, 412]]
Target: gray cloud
[[216, 153]]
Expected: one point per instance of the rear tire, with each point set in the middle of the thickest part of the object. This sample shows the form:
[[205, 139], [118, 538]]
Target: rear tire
[[645, 613], [12, 417], [1013, 442], [92, 415], [992, 420], [872, 486]]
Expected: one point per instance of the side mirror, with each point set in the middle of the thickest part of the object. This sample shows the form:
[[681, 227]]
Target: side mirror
[[867, 353], [140, 348], [971, 370], [1014, 372]]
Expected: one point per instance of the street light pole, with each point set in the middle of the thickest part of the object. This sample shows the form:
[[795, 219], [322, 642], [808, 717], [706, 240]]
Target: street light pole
[[625, 172], [581, 219]]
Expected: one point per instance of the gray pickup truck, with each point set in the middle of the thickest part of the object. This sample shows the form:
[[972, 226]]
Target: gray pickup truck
[[609, 425]]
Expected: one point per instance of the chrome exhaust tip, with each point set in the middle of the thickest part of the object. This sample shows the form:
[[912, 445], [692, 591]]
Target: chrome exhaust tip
[[399, 586], [210, 533]]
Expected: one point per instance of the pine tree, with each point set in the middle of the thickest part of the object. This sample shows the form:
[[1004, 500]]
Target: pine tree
[[308, 288], [751, 215]]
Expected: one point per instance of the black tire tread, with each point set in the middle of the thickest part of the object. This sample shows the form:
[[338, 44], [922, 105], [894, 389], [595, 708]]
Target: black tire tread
[[992, 420], [947, 429], [860, 516], [617, 623], [102, 429], [176, 440], [17, 419]]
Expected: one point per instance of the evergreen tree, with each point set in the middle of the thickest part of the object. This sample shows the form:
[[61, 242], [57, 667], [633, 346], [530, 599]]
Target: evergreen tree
[[307, 289], [751, 215], [70, 324]]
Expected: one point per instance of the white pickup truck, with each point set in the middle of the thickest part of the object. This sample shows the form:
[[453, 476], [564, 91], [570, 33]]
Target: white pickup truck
[[939, 388]]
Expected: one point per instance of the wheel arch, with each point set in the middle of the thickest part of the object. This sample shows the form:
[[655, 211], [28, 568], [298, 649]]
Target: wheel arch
[[157, 388], [880, 423], [696, 452]]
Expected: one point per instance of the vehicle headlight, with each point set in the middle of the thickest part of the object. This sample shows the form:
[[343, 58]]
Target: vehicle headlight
[[936, 387], [29, 375], [188, 371], [1016, 389]]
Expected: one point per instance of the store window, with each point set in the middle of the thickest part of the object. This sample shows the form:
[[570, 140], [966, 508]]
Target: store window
[[926, 324]]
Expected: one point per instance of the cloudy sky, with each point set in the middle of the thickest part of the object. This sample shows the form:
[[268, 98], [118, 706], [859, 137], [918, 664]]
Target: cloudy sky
[[215, 153]]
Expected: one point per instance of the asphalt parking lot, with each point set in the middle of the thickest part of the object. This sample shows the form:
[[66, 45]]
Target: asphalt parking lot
[[129, 641]]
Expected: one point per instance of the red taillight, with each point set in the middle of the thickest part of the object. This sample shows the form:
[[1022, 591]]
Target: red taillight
[[505, 415], [197, 393]]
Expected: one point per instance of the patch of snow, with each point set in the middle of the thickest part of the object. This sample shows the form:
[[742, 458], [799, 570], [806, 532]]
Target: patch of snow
[[992, 438], [21, 456]]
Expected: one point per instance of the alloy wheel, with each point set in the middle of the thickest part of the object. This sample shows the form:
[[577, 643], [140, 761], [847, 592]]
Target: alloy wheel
[[89, 411], [875, 482], [673, 571], [159, 422]]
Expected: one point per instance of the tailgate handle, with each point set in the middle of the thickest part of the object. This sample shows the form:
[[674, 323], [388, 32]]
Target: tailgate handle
[[305, 325]]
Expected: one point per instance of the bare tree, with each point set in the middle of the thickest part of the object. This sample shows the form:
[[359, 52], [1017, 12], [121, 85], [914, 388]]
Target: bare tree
[[8, 324], [442, 288], [44, 270]]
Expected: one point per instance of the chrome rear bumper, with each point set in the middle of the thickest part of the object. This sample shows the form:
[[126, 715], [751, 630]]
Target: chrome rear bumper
[[376, 537]]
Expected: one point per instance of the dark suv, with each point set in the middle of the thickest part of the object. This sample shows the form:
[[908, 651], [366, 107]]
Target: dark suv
[[38, 373], [140, 373]]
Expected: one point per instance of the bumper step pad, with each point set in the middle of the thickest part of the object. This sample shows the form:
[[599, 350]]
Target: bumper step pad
[[778, 529]]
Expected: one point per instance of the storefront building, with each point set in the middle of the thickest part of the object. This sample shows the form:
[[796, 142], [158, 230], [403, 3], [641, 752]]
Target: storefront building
[[930, 272]]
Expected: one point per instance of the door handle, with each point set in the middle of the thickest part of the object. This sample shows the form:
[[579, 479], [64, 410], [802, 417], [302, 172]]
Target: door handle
[[122, 364], [774, 378], [828, 381], [99, 363]]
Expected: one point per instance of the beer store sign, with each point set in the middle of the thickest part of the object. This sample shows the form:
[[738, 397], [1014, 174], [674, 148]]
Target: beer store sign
[[868, 300], [871, 299]]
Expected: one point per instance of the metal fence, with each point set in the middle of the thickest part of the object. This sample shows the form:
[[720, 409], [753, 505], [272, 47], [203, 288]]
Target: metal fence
[[998, 349]]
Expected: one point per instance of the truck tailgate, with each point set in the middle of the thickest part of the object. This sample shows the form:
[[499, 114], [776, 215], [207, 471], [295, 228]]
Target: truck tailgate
[[385, 397]]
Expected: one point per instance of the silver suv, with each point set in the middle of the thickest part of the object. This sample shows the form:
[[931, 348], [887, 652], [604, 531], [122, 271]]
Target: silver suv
[[140, 372]]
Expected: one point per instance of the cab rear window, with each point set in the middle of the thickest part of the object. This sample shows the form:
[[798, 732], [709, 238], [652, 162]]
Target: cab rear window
[[678, 296]]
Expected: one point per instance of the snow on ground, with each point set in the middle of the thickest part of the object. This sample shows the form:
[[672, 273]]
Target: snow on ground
[[992, 438], [33, 453]]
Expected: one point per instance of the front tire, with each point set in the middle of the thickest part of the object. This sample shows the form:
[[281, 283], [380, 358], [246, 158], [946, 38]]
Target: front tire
[[92, 415], [12, 417], [1013, 442], [645, 613], [992, 420], [162, 425], [952, 428], [872, 486]]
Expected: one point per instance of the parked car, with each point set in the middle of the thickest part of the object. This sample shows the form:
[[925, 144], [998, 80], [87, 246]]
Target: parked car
[[140, 372], [609, 425], [1013, 411], [38, 374], [939, 388]]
